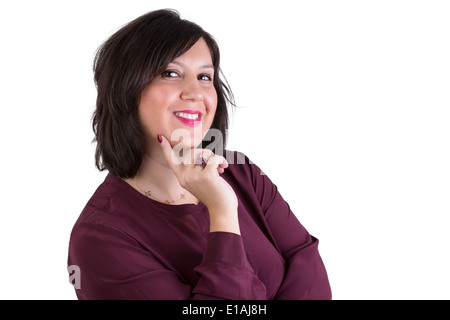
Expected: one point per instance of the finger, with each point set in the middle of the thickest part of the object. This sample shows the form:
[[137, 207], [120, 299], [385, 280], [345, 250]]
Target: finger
[[215, 162], [201, 157], [172, 159], [224, 164], [221, 161]]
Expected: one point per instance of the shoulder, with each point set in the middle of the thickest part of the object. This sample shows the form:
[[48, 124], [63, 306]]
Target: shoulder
[[241, 163], [242, 170], [103, 212], [244, 175]]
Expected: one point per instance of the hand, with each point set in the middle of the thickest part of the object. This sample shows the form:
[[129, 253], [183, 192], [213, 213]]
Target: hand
[[206, 184]]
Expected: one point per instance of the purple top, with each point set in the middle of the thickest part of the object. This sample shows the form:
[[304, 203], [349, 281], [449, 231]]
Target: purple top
[[128, 246]]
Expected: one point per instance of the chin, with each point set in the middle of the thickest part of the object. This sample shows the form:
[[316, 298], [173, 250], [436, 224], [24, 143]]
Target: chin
[[186, 145]]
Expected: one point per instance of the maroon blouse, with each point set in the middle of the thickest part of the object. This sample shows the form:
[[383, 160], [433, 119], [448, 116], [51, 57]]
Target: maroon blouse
[[128, 246]]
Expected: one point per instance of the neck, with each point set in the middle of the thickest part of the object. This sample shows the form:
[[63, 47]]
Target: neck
[[155, 172], [156, 176]]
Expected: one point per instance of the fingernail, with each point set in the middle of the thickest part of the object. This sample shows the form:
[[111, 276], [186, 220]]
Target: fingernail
[[159, 138]]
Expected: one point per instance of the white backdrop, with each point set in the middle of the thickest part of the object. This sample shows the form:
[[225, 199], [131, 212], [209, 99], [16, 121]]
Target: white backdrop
[[344, 104]]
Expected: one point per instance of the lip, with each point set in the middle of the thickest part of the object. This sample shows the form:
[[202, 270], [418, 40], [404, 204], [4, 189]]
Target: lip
[[189, 122]]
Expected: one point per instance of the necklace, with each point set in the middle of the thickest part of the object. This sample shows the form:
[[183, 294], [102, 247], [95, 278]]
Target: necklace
[[148, 194]]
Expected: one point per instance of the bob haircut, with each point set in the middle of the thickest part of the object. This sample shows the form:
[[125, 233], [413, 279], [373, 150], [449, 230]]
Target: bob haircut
[[123, 66]]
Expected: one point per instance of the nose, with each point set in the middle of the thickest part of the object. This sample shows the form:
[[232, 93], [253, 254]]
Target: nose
[[191, 90]]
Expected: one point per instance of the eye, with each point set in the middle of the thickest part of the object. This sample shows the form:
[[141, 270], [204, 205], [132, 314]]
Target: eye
[[204, 77], [170, 74]]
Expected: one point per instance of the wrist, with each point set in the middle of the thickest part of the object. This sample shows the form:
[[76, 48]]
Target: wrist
[[225, 220]]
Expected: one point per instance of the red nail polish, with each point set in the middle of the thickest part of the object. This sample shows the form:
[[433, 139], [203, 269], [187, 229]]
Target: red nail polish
[[159, 138]]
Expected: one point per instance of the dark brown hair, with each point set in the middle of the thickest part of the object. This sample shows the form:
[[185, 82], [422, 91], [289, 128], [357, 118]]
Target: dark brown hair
[[123, 66]]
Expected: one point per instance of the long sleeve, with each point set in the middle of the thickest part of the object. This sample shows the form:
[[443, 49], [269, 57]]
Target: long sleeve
[[225, 271], [114, 265], [305, 276]]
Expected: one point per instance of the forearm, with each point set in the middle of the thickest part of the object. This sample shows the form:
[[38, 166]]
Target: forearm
[[224, 220], [225, 272]]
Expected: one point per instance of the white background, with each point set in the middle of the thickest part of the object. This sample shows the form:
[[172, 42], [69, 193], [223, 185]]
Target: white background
[[344, 104]]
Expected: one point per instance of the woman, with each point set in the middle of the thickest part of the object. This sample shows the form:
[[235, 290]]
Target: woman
[[173, 220]]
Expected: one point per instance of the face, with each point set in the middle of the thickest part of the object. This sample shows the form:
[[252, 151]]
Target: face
[[182, 100]]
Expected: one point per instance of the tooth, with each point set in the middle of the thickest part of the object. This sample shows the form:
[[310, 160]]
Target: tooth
[[187, 115]]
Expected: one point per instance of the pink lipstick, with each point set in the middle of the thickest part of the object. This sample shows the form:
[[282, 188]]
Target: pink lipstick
[[190, 118]]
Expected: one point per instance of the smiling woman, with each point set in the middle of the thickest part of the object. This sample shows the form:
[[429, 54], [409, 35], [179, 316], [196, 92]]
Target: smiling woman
[[130, 64], [174, 220]]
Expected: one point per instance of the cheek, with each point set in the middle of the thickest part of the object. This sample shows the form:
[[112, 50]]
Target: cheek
[[150, 109], [154, 97], [154, 102], [212, 103]]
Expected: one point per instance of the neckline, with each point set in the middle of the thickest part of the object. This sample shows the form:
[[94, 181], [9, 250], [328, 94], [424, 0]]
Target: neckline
[[132, 193]]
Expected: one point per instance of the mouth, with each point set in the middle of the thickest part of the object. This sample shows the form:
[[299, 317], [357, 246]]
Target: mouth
[[190, 118]]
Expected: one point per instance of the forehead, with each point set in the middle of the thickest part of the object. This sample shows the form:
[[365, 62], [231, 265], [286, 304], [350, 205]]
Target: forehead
[[199, 54]]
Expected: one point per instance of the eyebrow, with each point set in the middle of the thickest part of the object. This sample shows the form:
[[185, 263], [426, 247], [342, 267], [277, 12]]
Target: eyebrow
[[204, 66]]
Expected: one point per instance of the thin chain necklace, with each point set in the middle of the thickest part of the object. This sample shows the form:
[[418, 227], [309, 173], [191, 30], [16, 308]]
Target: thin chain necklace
[[148, 194]]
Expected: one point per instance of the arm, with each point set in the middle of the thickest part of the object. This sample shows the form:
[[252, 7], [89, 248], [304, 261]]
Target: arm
[[114, 265], [305, 277]]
